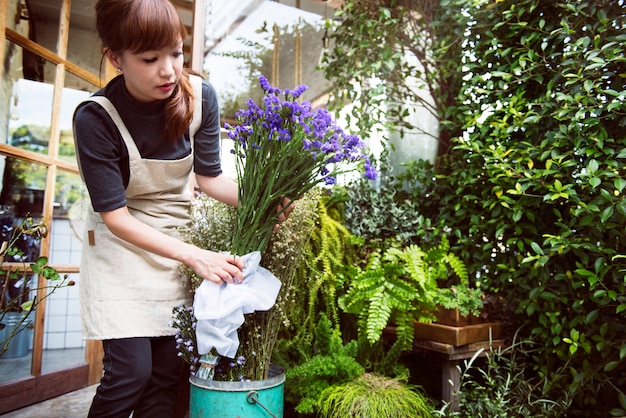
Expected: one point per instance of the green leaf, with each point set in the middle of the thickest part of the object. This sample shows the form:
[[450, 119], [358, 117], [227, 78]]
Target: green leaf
[[536, 248], [594, 181], [606, 214], [622, 399], [592, 316], [611, 365]]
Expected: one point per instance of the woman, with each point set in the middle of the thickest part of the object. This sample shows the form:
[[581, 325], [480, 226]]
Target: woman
[[137, 166]]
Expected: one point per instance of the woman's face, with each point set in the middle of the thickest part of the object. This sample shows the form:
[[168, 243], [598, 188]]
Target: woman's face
[[151, 75]]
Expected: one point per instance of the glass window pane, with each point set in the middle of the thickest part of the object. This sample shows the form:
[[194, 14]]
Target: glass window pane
[[15, 361], [63, 344], [30, 113], [23, 186], [70, 196], [69, 100], [31, 110]]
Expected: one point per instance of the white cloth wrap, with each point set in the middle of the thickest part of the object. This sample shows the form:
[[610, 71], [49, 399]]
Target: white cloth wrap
[[220, 308]]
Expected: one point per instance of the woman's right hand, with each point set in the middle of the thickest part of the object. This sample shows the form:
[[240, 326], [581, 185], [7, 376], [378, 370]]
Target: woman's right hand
[[217, 267]]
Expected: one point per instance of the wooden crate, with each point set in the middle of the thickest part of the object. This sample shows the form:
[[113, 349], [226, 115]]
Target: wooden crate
[[457, 336], [454, 318]]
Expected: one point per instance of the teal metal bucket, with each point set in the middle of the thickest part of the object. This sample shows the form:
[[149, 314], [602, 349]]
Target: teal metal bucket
[[254, 399]]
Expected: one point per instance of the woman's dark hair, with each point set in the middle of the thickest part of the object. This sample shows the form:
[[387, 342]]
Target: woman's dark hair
[[147, 25]]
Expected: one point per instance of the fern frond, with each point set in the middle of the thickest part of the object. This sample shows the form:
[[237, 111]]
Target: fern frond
[[404, 340], [405, 330], [363, 286], [403, 296], [324, 257], [416, 266], [459, 268], [378, 314]]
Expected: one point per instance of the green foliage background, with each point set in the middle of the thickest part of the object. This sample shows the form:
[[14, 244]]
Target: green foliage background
[[534, 187], [530, 184]]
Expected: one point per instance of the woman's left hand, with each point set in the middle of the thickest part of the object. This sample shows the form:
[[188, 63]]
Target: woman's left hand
[[286, 204]]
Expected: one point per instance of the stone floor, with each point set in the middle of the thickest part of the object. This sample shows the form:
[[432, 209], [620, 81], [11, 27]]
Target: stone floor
[[71, 405]]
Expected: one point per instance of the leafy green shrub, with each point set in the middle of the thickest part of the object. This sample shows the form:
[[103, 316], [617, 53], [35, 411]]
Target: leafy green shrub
[[382, 59], [331, 363], [504, 385], [534, 188], [390, 210]]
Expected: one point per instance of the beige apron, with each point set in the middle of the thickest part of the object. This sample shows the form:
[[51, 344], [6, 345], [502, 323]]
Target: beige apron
[[125, 291]]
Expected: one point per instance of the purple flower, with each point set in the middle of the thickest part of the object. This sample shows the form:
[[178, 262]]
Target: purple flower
[[370, 172], [330, 180], [267, 87]]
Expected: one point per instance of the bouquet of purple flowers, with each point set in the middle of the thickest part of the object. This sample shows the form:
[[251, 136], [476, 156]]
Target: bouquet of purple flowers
[[283, 149]]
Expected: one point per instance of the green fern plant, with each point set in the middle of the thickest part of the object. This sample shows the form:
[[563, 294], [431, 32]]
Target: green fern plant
[[317, 283], [325, 254], [399, 286]]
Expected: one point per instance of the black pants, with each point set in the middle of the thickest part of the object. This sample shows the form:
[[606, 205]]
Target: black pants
[[141, 376]]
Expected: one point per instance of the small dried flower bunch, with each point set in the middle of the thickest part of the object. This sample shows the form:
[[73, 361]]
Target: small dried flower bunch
[[212, 226], [184, 322], [210, 366]]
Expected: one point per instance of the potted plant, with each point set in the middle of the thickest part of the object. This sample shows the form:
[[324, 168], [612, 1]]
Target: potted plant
[[283, 148], [403, 287], [20, 244], [459, 305]]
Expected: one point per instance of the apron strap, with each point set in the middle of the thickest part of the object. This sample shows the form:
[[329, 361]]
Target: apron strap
[[196, 120], [117, 119]]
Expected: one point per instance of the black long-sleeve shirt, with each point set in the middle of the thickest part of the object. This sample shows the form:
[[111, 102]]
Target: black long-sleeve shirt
[[103, 155]]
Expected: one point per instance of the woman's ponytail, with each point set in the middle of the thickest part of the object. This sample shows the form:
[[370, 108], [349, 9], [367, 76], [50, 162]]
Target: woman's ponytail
[[179, 110]]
